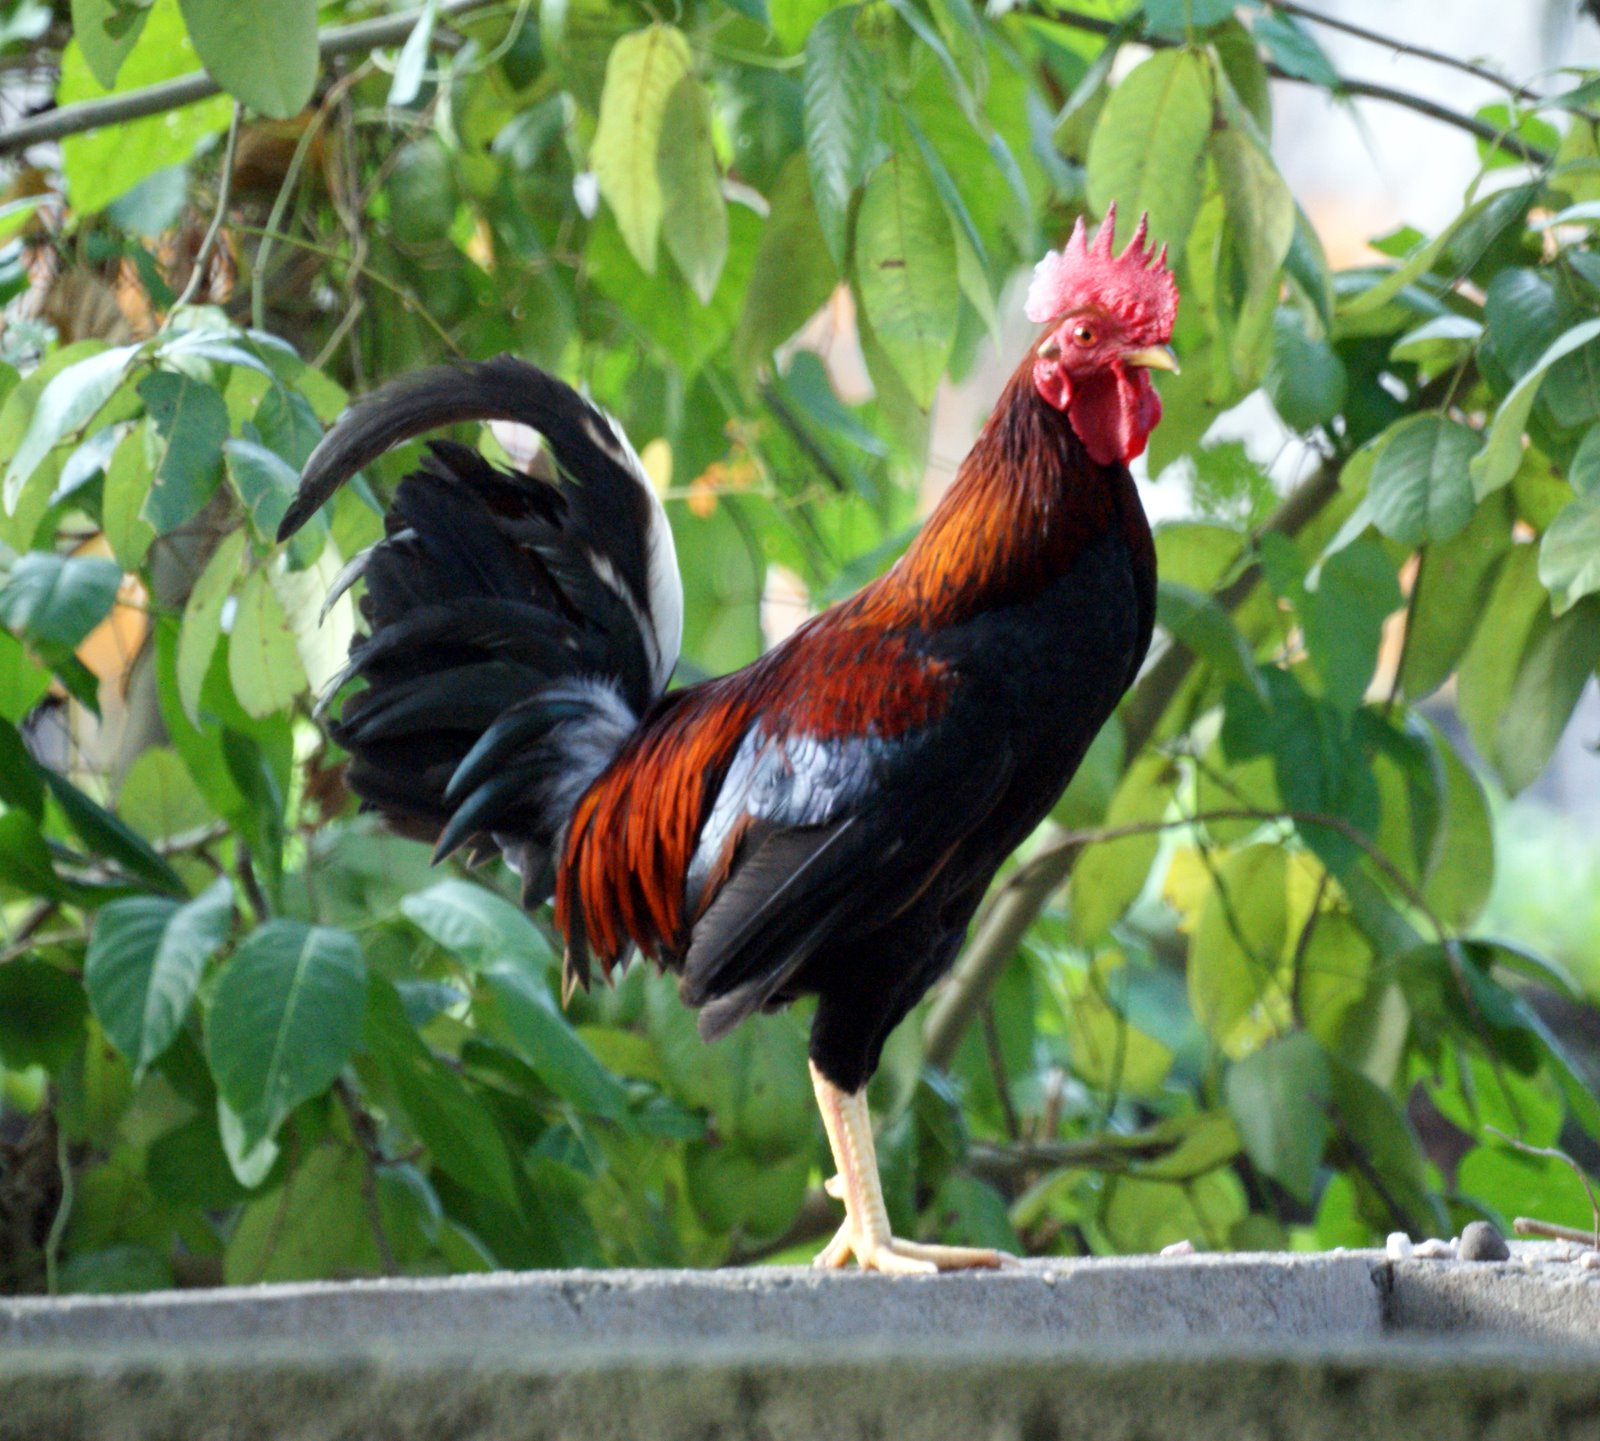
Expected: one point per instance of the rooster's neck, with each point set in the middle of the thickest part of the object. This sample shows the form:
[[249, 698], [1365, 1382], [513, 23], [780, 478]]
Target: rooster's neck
[[1026, 502]]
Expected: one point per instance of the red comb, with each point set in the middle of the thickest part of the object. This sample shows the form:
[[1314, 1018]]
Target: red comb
[[1135, 286]]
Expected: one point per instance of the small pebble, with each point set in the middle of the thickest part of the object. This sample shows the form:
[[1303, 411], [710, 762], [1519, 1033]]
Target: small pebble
[[1398, 1246], [1179, 1248], [1590, 1260], [1480, 1241], [1433, 1249]]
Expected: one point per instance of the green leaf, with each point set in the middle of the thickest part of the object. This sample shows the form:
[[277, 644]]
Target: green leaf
[[202, 620], [1110, 874], [145, 959], [284, 1019], [25, 863], [108, 161], [1449, 595], [793, 274], [1569, 554], [1261, 211], [841, 117], [57, 600], [263, 661], [1584, 472], [1279, 1099], [1237, 984], [694, 219], [642, 72], [264, 482], [1443, 341], [457, 1128], [1196, 621], [1305, 379], [1343, 619], [68, 402], [413, 61], [1462, 868], [264, 54], [478, 928], [905, 261], [545, 1040], [1420, 489], [190, 422], [41, 1007], [20, 782], [1502, 454], [316, 1225], [1148, 149], [105, 835], [127, 483], [158, 797], [1558, 662], [1523, 673], [106, 30], [1294, 49], [1174, 19]]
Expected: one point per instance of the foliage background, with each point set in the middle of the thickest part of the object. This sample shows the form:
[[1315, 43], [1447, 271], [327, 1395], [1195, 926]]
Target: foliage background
[[1238, 990]]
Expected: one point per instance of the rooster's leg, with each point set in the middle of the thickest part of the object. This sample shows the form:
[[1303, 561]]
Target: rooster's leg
[[865, 1233]]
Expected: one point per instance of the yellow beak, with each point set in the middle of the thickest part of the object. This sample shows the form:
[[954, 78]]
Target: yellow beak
[[1152, 357]]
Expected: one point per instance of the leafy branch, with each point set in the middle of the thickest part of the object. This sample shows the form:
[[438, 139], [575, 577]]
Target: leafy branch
[[356, 38]]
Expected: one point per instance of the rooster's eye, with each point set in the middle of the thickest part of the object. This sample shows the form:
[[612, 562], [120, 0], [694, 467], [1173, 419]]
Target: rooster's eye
[[1083, 334]]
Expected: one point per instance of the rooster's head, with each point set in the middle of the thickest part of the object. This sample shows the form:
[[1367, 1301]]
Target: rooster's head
[[1109, 320]]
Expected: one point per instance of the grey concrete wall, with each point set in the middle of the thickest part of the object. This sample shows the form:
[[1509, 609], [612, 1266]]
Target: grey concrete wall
[[1248, 1348]]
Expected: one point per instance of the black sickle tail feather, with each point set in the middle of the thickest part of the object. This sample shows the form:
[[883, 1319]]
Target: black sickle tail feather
[[517, 627]]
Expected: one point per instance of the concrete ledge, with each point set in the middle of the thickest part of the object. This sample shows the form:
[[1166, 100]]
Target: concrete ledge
[[1249, 1348]]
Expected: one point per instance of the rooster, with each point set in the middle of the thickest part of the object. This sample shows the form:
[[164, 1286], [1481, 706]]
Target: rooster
[[825, 821]]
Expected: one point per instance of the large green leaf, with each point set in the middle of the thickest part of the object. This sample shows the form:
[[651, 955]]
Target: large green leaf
[[643, 71], [284, 1019], [478, 927], [905, 264], [106, 30], [1305, 379], [694, 219], [1237, 984], [202, 620], [842, 89], [793, 273], [545, 1040], [263, 53], [57, 600], [1148, 149], [1494, 466], [189, 423], [106, 162], [1110, 874], [67, 403], [263, 661], [144, 965], [458, 1128], [1449, 596], [317, 1224], [41, 1008], [1279, 1099], [1569, 554], [1420, 489]]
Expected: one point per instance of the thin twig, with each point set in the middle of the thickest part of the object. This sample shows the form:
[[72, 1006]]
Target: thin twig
[[1403, 47], [1527, 1226], [1555, 1153], [364, 35], [202, 256], [58, 1222]]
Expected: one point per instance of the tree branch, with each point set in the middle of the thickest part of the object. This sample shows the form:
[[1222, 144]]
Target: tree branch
[[188, 89], [1402, 47], [1371, 90], [1016, 905]]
